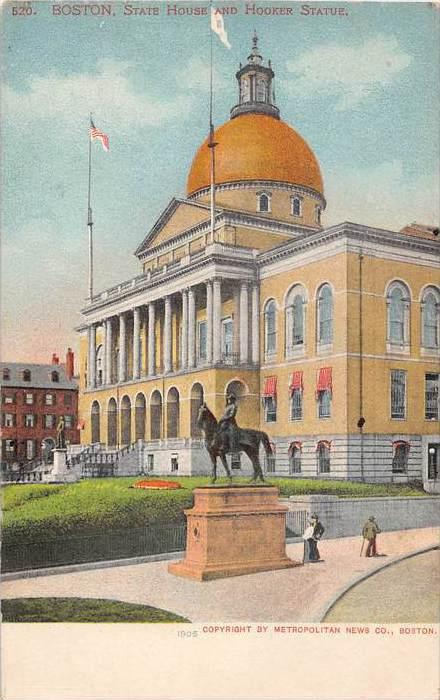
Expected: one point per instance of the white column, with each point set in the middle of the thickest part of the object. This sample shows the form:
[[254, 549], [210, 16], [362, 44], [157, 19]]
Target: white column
[[184, 336], [151, 339], [244, 323], [136, 342], [255, 325], [108, 351], [209, 322], [92, 356], [104, 351], [191, 328], [122, 369], [167, 337], [236, 338], [216, 320]]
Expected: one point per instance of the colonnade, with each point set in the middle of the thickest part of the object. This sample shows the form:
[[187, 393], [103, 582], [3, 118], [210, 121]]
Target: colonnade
[[176, 317]]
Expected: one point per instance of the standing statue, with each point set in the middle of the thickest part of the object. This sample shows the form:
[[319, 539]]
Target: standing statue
[[61, 436], [225, 436]]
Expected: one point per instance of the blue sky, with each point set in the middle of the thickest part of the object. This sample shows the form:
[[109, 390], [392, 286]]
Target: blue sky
[[363, 90]]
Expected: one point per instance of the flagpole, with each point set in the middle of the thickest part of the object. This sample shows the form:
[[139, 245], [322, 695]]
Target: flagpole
[[89, 217], [211, 144]]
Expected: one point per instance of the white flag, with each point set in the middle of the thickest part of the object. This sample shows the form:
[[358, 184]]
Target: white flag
[[218, 26]]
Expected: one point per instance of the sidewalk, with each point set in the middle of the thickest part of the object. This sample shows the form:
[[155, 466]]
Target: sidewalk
[[290, 595]]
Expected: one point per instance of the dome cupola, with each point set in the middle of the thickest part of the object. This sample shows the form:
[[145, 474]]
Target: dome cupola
[[255, 86]]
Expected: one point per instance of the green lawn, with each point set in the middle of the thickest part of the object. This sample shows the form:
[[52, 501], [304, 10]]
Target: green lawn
[[82, 610], [37, 512]]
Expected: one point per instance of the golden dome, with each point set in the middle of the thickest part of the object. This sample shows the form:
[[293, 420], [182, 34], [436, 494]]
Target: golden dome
[[256, 147]]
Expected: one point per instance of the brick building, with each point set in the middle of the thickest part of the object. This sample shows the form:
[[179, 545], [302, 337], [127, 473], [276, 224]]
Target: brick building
[[33, 397]]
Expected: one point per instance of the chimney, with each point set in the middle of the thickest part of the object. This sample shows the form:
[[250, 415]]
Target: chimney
[[55, 359], [70, 357]]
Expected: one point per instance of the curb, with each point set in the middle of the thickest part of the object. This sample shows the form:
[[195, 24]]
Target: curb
[[354, 582], [89, 566]]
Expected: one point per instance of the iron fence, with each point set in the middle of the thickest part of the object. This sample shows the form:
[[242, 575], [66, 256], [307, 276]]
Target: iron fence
[[296, 522], [99, 546]]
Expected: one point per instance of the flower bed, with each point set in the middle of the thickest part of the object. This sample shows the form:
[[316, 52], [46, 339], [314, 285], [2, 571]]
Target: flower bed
[[156, 484]]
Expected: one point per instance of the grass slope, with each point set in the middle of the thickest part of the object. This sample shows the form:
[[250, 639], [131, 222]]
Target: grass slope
[[39, 512], [82, 610]]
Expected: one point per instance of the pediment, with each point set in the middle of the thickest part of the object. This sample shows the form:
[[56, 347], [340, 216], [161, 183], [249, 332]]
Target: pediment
[[179, 215]]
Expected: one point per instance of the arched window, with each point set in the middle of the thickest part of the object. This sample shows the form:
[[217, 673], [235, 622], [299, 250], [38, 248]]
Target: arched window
[[295, 458], [125, 421], [295, 320], [270, 328], [325, 315], [55, 376], [400, 456], [270, 459], [430, 318], [318, 214], [323, 456], [95, 422], [156, 415], [197, 398], [296, 204], [173, 413], [263, 202], [112, 423], [139, 417], [398, 300], [99, 365]]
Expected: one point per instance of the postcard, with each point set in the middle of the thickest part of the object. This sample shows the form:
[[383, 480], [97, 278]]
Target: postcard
[[220, 350]]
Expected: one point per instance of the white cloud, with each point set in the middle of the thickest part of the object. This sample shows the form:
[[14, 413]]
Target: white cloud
[[108, 91], [349, 73], [196, 76], [382, 196]]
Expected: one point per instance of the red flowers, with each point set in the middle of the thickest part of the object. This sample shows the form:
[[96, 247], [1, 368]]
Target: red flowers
[[156, 484]]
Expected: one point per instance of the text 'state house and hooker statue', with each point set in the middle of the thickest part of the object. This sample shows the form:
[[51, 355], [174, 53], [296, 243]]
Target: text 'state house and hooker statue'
[[330, 349]]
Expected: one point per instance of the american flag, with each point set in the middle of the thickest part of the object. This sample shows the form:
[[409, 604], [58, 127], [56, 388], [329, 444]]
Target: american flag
[[98, 135]]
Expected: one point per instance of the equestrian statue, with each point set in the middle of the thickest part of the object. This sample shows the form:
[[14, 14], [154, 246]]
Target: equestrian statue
[[224, 436]]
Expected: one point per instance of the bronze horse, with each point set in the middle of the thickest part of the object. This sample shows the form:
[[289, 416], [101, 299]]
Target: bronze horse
[[248, 442]]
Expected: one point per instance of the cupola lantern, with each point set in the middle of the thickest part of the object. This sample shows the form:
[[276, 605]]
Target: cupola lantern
[[255, 86]]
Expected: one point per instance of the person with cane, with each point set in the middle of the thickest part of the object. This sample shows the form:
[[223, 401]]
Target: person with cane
[[369, 532]]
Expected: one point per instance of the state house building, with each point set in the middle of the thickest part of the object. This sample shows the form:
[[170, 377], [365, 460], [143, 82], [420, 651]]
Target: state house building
[[328, 337]]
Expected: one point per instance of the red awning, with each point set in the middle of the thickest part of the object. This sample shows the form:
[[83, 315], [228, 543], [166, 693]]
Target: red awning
[[401, 443], [297, 445], [324, 379], [324, 443], [270, 387], [296, 380]]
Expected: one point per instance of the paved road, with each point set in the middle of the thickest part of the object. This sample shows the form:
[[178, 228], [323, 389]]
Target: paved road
[[298, 594], [366, 602]]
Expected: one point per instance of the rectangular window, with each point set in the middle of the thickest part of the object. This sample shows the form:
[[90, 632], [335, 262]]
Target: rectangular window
[[30, 449], [296, 405], [67, 399], [174, 463], [10, 446], [29, 420], [48, 420], [431, 396], [49, 400], [400, 458], [9, 399], [295, 460], [227, 337], [9, 420], [324, 403], [68, 421], [28, 398], [398, 393], [150, 463], [235, 460], [270, 409], [433, 460], [270, 462], [201, 345]]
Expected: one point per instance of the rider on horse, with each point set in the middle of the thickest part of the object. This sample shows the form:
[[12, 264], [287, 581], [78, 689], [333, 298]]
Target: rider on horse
[[227, 427]]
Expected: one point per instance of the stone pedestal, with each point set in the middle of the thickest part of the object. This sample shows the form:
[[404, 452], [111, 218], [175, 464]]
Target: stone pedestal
[[234, 530], [60, 472]]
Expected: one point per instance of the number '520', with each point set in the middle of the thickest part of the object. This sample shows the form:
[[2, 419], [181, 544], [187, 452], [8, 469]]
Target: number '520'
[[24, 11]]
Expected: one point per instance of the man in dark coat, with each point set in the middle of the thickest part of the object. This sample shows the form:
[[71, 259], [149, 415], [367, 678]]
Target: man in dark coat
[[369, 532], [314, 533]]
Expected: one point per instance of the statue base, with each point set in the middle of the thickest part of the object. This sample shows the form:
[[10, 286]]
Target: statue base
[[60, 472], [233, 531]]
